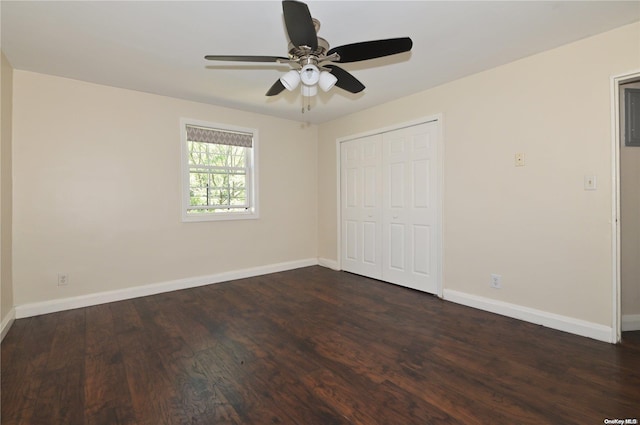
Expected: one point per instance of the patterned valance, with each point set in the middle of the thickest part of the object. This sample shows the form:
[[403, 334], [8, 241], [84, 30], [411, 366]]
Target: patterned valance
[[220, 137]]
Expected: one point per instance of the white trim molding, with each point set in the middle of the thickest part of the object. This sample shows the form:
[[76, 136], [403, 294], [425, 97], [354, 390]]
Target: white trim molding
[[52, 306], [330, 264], [616, 285], [538, 317], [631, 322], [7, 321]]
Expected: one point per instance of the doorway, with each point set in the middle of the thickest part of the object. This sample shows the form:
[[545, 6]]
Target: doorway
[[628, 175]]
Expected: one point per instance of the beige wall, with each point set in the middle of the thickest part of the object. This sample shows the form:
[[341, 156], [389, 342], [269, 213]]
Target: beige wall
[[6, 285], [535, 225], [630, 222], [97, 191]]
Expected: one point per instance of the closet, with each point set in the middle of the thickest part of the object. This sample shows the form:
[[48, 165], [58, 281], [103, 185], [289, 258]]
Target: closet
[[390, 206]]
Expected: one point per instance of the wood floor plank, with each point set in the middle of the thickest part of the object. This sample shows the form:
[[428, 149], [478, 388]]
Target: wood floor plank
[[249, 402], [345, 397], [29, 359], [68, 345], [100, 332], [312, 347], [106, 393], [180, 322], [202, 399], [60, 398], [150, 386], [13, 343]]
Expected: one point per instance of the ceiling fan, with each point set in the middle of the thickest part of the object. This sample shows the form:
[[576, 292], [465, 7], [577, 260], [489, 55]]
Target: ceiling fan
[[311, 58]]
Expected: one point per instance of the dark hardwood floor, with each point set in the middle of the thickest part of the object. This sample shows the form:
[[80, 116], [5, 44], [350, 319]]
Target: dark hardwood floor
[[308, 346]]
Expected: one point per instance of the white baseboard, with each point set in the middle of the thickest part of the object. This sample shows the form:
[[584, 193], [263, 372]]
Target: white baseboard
[[330, 264], [52, 306], [630, 322], [539, 317], [7, 321]]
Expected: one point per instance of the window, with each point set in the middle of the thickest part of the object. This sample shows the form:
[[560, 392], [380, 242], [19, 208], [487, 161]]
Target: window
[[218, 172]]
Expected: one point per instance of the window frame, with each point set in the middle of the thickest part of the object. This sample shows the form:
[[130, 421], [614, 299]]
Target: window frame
[[251, 179]]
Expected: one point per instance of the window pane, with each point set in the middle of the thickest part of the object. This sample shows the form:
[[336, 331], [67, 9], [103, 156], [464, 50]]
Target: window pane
[[211, 154], [218, 196], [197, 153], [198, 178], [237, 180], [239, 198], [238, 158], [217, 180], [217, 160], [218, 155], [198, 196], [217, 188]]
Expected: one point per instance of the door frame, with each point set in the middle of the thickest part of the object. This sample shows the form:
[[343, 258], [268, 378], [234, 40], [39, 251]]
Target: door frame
[[616, 80], [438, 119]]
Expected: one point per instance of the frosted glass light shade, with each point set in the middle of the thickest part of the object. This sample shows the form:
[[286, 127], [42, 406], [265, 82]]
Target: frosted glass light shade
[[310, 74], [327, 80], [290, 80]]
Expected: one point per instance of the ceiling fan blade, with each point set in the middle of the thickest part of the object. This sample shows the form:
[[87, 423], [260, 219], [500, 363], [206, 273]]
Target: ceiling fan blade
[[371, 49], [276, 88], [346, 81], [299, 24], [245, 58]]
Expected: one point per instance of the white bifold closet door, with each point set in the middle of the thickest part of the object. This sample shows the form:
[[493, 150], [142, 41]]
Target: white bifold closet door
[[389, 198]]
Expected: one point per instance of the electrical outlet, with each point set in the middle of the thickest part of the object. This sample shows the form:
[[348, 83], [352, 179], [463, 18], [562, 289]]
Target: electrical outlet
[[496, 281], [63, 279], [590, 182]]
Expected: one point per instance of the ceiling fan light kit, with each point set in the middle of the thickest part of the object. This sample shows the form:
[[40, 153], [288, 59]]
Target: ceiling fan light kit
[[311, 58], [290, 80], [327, 81]]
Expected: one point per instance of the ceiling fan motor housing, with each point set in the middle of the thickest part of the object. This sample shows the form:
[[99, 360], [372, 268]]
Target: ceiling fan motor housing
[[304, 54]]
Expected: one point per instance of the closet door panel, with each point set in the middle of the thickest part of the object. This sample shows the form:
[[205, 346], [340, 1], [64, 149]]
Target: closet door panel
[[408, 207], [360, 212]]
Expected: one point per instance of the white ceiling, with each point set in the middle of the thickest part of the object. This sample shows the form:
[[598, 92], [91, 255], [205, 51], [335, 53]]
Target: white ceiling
[[158, 47]]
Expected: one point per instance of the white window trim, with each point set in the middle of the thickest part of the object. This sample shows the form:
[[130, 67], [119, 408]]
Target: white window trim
[[253, 213]]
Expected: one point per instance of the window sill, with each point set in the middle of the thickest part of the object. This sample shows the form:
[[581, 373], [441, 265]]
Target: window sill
[[191, 218]]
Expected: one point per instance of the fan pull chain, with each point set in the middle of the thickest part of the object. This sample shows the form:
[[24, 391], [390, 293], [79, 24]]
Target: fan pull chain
[[308, 103]]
